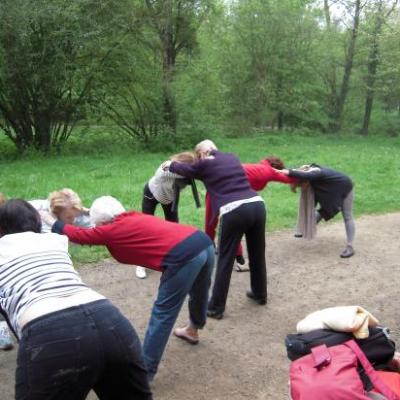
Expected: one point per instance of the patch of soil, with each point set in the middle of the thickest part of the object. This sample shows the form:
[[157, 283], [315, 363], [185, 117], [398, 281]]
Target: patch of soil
[[243, 356]]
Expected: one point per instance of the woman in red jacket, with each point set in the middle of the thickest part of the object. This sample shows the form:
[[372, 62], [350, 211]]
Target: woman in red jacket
[[183, 254], [259, 175]]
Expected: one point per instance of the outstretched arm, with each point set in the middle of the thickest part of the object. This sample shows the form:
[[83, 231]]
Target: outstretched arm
[[98, 235], [188, 170], [310, 174]]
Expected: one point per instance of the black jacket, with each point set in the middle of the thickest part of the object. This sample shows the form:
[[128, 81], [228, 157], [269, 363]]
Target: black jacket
[[330, 188]]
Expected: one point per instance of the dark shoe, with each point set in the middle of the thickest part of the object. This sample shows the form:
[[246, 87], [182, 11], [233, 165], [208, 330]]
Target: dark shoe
[[298, 235], [260, 300], [240, 260], [348, 252], [215, 314]]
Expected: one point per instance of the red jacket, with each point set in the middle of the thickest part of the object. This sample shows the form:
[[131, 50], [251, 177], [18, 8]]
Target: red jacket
[[141, 239], [259, 175]]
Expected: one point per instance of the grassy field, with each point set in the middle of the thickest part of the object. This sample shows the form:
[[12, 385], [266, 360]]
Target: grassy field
[[99, 164]]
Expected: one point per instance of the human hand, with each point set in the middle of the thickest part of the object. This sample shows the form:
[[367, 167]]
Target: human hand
[[395, 362], [165, 165], [282, 171]]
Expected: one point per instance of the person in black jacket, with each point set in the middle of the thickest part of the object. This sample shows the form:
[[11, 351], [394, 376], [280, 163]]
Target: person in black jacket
[[333, 192]]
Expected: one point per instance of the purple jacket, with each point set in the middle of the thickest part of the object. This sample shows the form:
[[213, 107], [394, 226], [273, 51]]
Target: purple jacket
[[223, 176]]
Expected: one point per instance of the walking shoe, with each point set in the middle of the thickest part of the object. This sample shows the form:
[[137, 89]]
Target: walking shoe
[[347, 252], [215, 314], [141, 272], [183, 333], [6, 342], [298, 235], [261, 300], [241, 265]]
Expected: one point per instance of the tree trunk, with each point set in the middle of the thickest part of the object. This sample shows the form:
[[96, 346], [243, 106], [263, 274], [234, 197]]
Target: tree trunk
[[373, 62], [169, 107], [169, 60], [344, 89]]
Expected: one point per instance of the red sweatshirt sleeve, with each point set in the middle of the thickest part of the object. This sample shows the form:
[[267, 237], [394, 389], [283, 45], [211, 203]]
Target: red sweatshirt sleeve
[[280, 177], [210, 224], [99, 235]]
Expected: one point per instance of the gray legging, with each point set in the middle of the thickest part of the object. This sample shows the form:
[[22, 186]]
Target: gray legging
[[347, 212]]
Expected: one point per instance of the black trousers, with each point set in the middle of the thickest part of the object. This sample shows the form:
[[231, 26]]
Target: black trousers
[[149, 204], [249, 220], [65, 354]]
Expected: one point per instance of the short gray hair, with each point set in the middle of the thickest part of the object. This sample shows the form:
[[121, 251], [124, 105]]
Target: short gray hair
[[105, 209], [205, 146]]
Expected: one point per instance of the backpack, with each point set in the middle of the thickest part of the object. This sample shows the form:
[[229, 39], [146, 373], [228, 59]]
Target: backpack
[[331, 374], [378, 347]]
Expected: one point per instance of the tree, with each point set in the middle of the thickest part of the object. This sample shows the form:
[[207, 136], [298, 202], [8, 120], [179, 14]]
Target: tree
[[347, 70], [50, 56], [266, 63], [379, 16], [176, 23]]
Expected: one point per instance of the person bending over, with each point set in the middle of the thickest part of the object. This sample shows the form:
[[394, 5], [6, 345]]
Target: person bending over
[[162, 189], [64, 204], [66, 330], [183, 254], [333, 192], [259, 175], [241, 211]]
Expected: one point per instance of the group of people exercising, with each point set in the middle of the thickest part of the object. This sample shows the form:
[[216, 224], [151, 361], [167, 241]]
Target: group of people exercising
[[71, 338]]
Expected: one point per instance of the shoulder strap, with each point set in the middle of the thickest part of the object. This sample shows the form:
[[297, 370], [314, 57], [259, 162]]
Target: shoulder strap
[[369, 370]]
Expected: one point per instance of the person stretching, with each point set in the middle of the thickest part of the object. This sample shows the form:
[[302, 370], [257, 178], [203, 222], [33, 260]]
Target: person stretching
[[162, 189], [242, 212], [67, 332], [183, 254], [333, 192], [259, 175]]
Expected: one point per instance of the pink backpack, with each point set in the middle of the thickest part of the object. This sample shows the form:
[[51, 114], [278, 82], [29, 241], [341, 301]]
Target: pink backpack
[[331, 374]]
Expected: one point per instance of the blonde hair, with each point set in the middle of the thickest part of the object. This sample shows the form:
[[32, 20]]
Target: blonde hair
[[64, 198], [104, 209], [187, 157], [2, 199], [204, 146]]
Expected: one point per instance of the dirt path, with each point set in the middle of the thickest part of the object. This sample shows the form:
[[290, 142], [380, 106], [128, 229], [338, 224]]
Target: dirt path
[[243, 356]]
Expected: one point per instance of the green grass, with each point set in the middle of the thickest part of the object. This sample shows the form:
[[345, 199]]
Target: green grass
[[105, 165]]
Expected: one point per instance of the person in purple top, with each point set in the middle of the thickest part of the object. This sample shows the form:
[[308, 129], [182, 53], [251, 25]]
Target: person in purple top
[[242, 212]]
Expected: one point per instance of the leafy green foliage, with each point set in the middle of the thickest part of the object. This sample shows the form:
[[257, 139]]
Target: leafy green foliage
[[50, 55]]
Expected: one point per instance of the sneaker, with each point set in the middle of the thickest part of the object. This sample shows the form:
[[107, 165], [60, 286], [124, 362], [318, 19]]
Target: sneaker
[[6, 342], [298, 235], [347, 252], [141, 272], [241, 267], [215, 314], [261, 300]]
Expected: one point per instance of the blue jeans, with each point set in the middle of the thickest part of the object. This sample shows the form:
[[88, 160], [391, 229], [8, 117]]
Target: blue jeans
[[193, 278], [65, 354]]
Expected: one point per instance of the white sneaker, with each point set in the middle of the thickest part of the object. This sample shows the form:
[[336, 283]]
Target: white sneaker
[[141, 272], [6, 342]]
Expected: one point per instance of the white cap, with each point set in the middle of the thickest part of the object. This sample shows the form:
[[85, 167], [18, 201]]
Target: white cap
[[104, 209]]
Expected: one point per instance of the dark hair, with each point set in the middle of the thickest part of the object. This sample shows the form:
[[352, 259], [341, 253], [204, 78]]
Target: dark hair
[[275, 162], [18, 216]]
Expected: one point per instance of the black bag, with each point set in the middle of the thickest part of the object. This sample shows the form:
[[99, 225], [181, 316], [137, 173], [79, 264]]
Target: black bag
[[378, 347]]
